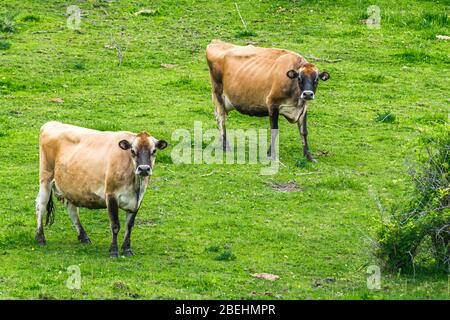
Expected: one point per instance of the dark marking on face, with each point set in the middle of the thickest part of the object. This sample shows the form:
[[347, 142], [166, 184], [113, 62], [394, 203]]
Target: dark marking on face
[[308, 79], [143, 150]]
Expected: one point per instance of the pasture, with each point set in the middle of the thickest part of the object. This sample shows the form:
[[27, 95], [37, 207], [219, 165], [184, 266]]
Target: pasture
[[204, 229]]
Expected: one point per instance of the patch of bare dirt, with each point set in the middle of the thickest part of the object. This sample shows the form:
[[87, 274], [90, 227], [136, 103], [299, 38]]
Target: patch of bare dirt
[[323, 153], [291, 186], [146, 222], [266, 276], [168, 65]]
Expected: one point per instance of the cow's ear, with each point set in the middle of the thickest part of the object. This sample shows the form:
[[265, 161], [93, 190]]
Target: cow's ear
[[324, 76], [292, 74], [161, 144], [124, 144]]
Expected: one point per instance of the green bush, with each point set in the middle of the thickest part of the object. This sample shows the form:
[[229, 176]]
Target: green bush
[[385, 117], [4, 45], [245, 33], [7, 22], [427, 213]]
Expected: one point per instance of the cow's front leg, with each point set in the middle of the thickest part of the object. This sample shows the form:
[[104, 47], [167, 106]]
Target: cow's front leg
[[304, 134], [126, 246], [113, 211], [273, 118]]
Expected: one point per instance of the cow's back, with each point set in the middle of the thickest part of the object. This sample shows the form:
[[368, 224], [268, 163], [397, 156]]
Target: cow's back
[[250, 74]]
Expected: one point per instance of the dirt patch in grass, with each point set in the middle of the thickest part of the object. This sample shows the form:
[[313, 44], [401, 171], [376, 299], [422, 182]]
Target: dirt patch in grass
[[146, 222], [323, 153], [291, 186]]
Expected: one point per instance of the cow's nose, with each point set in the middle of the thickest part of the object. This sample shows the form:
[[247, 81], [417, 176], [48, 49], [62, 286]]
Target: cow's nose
[[307, 95], [144, 170]]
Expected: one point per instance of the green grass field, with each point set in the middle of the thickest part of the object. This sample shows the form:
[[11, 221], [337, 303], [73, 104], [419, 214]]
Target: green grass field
[[203, 230]]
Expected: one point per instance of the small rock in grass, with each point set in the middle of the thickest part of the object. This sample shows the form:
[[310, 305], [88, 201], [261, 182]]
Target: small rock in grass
[[146, 12], [57, 100], [168, 65], [266, 276], [442, 37]]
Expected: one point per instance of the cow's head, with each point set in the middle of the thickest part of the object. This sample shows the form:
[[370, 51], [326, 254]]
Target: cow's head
[[143, 152], [308, 77]]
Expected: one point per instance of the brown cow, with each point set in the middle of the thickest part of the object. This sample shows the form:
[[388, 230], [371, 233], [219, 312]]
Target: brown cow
[[262, 82], [94, 169]]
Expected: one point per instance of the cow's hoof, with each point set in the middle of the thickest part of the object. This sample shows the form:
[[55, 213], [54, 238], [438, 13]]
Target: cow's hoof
[[114, 254], [128, 252], [41, 239], [84, 239], [310, 158]]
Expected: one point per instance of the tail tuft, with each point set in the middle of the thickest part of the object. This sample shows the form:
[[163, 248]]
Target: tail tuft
[[50, 218]]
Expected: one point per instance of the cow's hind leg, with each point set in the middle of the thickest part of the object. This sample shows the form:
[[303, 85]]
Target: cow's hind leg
[[113, 211], [74, 215], [126, 247], [220, 113], [43, 204]]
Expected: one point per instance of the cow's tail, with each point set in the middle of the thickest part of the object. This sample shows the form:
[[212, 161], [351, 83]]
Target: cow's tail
[[50, 218]]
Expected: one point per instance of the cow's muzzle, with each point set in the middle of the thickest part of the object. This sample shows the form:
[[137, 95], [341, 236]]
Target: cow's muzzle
[[307, 95], [144, 170]]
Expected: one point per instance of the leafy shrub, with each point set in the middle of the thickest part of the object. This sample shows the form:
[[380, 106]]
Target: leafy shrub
[[427, 213], [413, 56], [79, 65], [226, 255], [385, 117], [245, 33], [4, 45], [30, 18], [428, 20], [7, 22]]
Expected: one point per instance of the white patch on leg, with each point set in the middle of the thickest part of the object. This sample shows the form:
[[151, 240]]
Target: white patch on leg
[[73, 213], [41, 204]]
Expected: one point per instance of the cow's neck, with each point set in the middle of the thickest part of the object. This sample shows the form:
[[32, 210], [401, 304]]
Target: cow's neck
[[140, 186], [301, 103]]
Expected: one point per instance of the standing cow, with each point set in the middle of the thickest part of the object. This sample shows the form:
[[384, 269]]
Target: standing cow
[[94, 169], [262, 82]]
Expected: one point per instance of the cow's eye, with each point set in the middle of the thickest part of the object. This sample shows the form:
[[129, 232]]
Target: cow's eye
[[153, 152], [133, 153]]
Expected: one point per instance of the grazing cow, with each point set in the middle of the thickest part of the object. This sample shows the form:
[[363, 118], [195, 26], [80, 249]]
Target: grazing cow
[[262, 82], [94, 169]]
